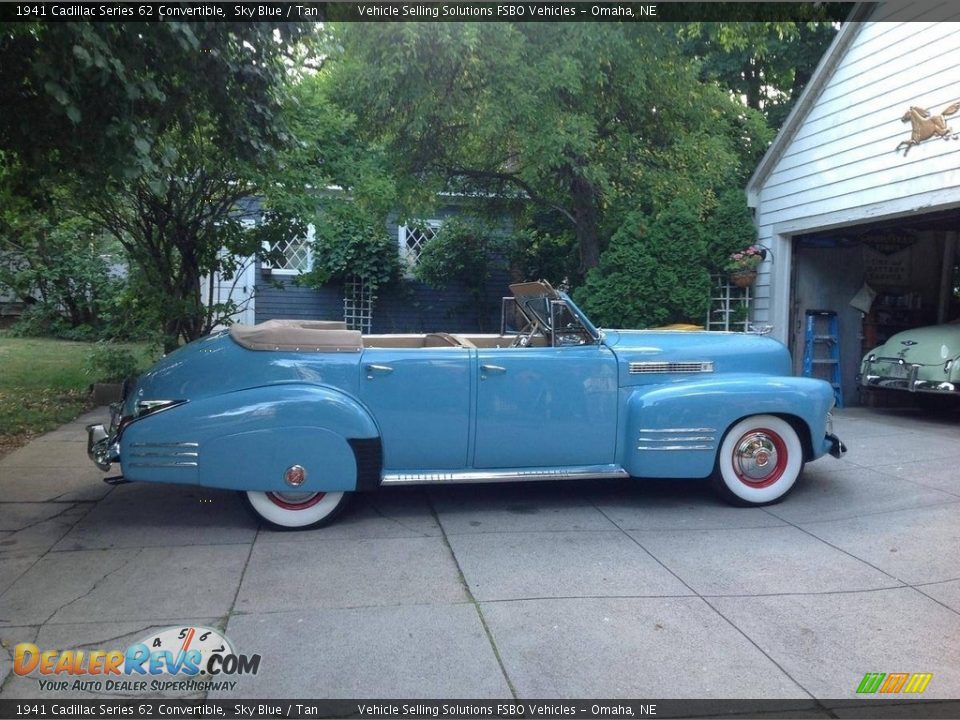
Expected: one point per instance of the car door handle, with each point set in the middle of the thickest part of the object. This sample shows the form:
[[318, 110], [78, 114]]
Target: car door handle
[[377, 369], [492, 370]]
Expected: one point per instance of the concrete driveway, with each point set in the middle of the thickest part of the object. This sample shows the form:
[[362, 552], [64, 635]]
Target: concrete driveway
[[606, 589]]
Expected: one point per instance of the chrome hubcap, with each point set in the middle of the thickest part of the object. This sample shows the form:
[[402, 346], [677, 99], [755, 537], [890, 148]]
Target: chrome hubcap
[[294, 498], [756, 456]]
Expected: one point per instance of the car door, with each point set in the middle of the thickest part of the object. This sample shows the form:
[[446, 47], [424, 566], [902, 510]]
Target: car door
[[420, 399], [546, 406]]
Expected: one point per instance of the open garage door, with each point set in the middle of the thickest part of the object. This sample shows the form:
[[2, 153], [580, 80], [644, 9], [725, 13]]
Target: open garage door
[[880, 280]]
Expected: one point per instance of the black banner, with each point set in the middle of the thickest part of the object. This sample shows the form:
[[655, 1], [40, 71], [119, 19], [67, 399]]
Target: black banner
[[471, 709], [423, 11]]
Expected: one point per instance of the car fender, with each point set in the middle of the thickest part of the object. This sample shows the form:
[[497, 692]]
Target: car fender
[[673, 431], [245, 440]]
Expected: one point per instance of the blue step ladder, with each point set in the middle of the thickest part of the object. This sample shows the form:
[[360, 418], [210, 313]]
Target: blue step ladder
[[821, 351]]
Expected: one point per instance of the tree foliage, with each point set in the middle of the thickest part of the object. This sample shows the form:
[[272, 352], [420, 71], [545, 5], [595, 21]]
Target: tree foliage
[[94, 98], [576, 119], [159, 131], [465, 251], [767, 64], [657, 268], [181, 225]]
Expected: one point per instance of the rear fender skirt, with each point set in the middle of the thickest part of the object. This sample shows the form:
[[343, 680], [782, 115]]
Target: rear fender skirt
[[246, 440]]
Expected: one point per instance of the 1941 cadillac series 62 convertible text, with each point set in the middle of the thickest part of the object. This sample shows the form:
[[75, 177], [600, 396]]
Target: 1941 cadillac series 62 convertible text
[[300, 415]]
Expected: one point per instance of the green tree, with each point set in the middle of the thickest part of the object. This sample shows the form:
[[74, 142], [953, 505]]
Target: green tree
[[181, 225], [765, 64], [654, 272], [160, 130], [578, 120], [464, 251], [93, 98]]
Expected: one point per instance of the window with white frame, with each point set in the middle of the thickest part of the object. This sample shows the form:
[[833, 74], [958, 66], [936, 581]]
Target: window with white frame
[[295, 254], [413, 238]]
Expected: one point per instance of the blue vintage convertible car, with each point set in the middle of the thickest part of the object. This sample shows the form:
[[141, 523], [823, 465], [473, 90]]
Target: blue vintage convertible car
[[300, 415]]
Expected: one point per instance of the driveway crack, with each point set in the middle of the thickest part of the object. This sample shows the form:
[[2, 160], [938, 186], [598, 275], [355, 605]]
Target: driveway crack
[[96, 585], [473, 601]]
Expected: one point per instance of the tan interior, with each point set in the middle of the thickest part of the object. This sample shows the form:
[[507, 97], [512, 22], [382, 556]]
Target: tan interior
[[446, 340], [332, 336]]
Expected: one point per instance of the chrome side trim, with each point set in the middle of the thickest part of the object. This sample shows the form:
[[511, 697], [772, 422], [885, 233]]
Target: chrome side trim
[[472, 476], [185, 463], [678, 430], [685, 438], [165, 445], [165, 454], [676, 439], [675, 447], [654, 366]]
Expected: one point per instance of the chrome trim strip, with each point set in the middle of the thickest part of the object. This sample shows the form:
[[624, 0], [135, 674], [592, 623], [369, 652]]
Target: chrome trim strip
[[687, 438], [676, 447], [471, 476], [164, 465], [678, 430], [162, 445], [666, 366], [165, 454]]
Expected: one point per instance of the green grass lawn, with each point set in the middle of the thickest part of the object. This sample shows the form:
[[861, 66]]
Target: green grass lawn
[[42, 385]]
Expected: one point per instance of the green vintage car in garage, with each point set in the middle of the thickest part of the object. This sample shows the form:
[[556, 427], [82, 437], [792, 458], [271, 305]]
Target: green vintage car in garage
[[921, 360]]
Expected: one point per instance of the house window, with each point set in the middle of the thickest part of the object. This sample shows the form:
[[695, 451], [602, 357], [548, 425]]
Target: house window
[[412, 239], [297, 255]]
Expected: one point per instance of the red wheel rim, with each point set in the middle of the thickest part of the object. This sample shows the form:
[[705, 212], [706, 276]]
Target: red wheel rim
[[752, 456], [287, 505]]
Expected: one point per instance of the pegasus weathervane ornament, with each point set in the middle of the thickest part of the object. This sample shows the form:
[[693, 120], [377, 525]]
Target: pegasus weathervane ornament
[[925, 126]]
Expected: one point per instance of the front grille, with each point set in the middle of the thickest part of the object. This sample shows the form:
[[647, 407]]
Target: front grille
[[643, 368]]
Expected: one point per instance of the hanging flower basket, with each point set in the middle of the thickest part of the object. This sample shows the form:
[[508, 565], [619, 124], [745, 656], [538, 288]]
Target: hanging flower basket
[[742, 265], [743, 278]]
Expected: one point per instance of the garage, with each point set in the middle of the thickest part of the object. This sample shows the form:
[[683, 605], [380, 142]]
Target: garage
[[858, 199]]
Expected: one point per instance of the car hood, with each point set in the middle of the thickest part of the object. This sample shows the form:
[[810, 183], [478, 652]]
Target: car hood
[[728, 352], [930, 345]]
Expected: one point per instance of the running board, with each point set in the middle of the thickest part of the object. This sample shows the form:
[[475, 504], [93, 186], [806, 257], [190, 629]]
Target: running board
[[574, 472]]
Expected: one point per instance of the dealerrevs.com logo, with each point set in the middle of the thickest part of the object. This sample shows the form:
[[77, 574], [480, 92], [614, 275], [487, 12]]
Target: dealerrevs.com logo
[[177, 658]]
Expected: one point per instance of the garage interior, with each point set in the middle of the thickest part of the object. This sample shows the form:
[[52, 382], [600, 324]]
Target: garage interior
[[899, 275]]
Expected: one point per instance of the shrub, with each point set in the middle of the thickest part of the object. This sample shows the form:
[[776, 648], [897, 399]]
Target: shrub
[[655, 271], [108, 363]]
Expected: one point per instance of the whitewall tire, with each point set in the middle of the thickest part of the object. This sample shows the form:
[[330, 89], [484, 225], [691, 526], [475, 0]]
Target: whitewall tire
[[759, 462], [296, 510]]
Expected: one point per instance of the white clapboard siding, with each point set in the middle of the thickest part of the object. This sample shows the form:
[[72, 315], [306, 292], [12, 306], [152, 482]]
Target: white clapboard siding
[[835, 163]]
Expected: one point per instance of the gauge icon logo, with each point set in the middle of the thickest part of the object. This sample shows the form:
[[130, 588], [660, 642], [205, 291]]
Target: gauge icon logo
[[198, 643]]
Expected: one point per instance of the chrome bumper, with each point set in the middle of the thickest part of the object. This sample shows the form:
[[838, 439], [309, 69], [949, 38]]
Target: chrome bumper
[[909, 382], [102, 449]]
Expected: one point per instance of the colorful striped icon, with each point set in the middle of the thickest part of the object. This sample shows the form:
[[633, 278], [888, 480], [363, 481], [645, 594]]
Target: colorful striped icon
[[894, 683]]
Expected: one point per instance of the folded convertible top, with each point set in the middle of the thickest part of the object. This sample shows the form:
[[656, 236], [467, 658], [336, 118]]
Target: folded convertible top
[[298, 336]]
